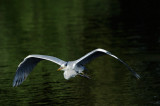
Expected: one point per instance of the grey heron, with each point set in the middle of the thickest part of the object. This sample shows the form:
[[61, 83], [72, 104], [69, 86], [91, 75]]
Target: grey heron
[[70, 68]]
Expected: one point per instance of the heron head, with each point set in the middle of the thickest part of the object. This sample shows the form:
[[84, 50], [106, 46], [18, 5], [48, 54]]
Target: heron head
[[63, 67]]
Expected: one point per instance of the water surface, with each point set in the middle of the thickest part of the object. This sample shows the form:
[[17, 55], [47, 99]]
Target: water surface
[[69, 30]]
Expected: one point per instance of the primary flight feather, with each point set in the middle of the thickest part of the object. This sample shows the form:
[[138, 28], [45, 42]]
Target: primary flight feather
[[70, 68]]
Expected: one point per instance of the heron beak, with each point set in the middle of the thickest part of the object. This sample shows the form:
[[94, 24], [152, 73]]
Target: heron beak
[[60, 68]]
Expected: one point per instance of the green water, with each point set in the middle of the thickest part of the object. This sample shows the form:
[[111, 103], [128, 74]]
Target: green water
[[69, 30]]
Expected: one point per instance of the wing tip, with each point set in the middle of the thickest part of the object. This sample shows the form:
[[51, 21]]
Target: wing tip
[[137, 76], [16, 83]]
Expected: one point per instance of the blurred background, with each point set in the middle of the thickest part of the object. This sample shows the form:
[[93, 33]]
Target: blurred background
[[69, 30]]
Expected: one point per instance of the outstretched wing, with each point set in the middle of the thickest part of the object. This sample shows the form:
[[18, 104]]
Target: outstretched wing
[[99, 52], [27, 65]]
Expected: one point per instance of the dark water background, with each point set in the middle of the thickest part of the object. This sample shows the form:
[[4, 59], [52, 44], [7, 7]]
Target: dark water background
[[70, 29]]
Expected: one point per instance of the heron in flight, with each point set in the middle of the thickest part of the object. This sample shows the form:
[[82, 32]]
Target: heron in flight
[[70, 68]]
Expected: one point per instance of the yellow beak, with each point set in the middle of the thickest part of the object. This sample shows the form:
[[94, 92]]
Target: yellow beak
[[60, 69]]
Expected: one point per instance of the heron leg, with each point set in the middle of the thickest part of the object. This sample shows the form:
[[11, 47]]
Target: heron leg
[[84, 75]]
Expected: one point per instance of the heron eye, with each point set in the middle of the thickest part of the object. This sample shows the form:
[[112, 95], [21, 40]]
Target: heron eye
[[66, 64]]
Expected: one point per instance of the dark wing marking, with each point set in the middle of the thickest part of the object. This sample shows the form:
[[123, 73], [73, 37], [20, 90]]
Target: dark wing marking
[[27, 65], [99, 52]]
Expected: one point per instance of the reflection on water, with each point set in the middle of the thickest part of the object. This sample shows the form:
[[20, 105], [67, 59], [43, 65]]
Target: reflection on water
[[68, 30]]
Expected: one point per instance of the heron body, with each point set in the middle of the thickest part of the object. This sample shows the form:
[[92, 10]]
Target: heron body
[[70, 68]]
